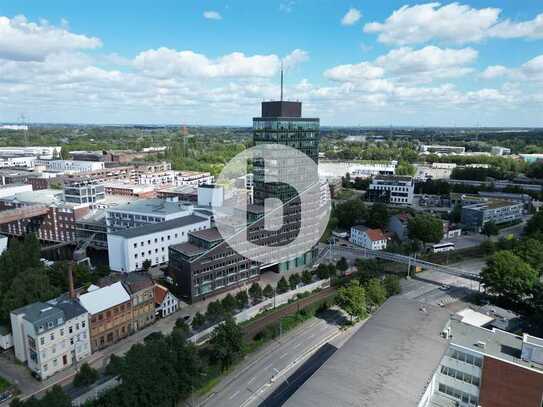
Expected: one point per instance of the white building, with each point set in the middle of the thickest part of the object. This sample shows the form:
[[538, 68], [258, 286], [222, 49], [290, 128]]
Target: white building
[[439, 149], [165, 302], [156, 178], [128, 249], [496, 150], [367, 238], [12, 189], [44, 153], [144, 211], [392, 189], [210, 195], [50, 337], [3, 243], [193, 178], [18, 161], [71, 166]]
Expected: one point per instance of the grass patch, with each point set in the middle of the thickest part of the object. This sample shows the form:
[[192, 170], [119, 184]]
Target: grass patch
[[4, 384]]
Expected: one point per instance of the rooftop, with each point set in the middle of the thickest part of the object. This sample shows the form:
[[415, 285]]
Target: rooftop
[[104, 298], [160, 293], [133, 282], [373, 234], [153, 206], [389, 361], [393, 178], [71, 308], [188, 249], [211, 235], [159, 227]]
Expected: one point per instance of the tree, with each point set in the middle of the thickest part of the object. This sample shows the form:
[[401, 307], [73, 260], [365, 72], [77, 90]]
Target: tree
[[531, 251], [456, 214], [376, 293], [378, 215], [56, 397], [229, 304], [182, 327], [307, 278], [86, 376], [215, 311], [507, 275], [426, 228], [242, 299], [392, 285], [342, 265], [227, 341], [282, 286], [198, 320], [323, 271], [255, 291], [350, 213], [352, 299], [535, 224], [114, 366], [294, 280], [268, 291], [490, 229], [146, 265]]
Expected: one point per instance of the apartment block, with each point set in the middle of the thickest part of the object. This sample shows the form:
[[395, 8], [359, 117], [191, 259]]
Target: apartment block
[[372, 239], [392, 190], [475, 216]]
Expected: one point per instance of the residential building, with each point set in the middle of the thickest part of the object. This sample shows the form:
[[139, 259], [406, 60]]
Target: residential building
[[475, 216], [3, 244], [140, 287], [438, 149], [193, 178], [165, 302], [110, 314], [367, 169], [187, 193], [389, 361], [398, 224], [143, 212], [392, 190], [55, 222], [372, 239], [129, 248], [70, 166], [129, 189], [50, 337], [487, 367], [156, 178]]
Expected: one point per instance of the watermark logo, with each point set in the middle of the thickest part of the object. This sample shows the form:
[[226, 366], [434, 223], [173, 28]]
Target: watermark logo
[[288, 211]]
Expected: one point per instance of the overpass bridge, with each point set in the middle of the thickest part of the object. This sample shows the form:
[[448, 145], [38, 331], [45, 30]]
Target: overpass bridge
[[333, 250]]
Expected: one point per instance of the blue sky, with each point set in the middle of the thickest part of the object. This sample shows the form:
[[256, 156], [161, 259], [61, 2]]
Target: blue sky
[[211, 62]]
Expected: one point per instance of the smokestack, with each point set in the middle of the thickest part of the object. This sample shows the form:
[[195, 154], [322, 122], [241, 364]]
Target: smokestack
[[71, 281]]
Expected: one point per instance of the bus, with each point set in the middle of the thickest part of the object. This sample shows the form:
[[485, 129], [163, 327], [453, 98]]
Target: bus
[[443, 247]]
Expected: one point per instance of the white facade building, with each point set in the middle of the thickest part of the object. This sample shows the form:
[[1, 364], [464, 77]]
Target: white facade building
[[372, 239], [156, 178], [12, 189], [128, 249], [210, 195], [145, 211], [71, 166], [3, 243], [165, 302], [193, 178], [392, 189], [44, 153], [50, 337], [22, 161]]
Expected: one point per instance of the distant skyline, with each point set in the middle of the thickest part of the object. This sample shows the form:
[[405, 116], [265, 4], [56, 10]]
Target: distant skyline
[[468, 63]]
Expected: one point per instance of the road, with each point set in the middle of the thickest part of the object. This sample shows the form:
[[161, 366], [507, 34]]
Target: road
[[251, 383]]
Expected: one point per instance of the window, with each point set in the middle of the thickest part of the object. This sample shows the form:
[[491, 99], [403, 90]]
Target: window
[[42, 340]]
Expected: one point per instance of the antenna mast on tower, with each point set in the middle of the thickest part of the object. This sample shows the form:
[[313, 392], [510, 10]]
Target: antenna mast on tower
[[281, 80]]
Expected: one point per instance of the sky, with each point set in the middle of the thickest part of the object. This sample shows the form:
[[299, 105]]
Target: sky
[[211, 62]]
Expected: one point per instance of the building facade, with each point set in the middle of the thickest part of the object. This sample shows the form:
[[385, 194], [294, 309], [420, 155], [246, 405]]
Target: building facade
[[50, 337], [392, 190], [165, 302], [71, 166], [372, 239], [110, 314], [475, 216], [128, 249]]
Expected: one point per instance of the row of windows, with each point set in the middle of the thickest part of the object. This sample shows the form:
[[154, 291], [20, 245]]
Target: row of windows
[[457, 374], [465, 357], [109, 313], [459, 395]]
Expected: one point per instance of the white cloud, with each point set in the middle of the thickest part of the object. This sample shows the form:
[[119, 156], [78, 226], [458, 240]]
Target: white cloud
[[351, 17], [495, 71], [354, 72], [295, 58], [21, 40], [212, 15], [451, 23], [287, 6]]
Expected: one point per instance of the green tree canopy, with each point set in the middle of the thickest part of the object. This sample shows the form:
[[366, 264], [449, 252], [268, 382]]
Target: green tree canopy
[[294, 280], [227, 343], [378, 215], [392, 285], [376, 293], [282, 286], [490, 229], [307, 277], [352, 299], [242, 299], [86, 376], [255, 291], [268, 291], [507, 275], [425, 228]]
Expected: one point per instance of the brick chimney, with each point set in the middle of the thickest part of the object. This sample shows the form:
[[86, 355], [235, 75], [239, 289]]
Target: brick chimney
[[71, 288]]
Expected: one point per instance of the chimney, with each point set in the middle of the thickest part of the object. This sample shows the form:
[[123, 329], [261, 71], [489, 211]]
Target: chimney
[[71, 288]]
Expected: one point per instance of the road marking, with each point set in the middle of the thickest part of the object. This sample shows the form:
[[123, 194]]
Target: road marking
[[252, 380], [267, 367], [283, 355], [234, 395], [297, 345], [311, 336]]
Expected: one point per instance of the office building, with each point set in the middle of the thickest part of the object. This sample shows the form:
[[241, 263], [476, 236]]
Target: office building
[[372, 239], [487, 367], [144, 211], [129, 248], [49, 337], [110, 314], [17, 161], [70, 166], [84, 192], [391, 190], [475, 215]]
